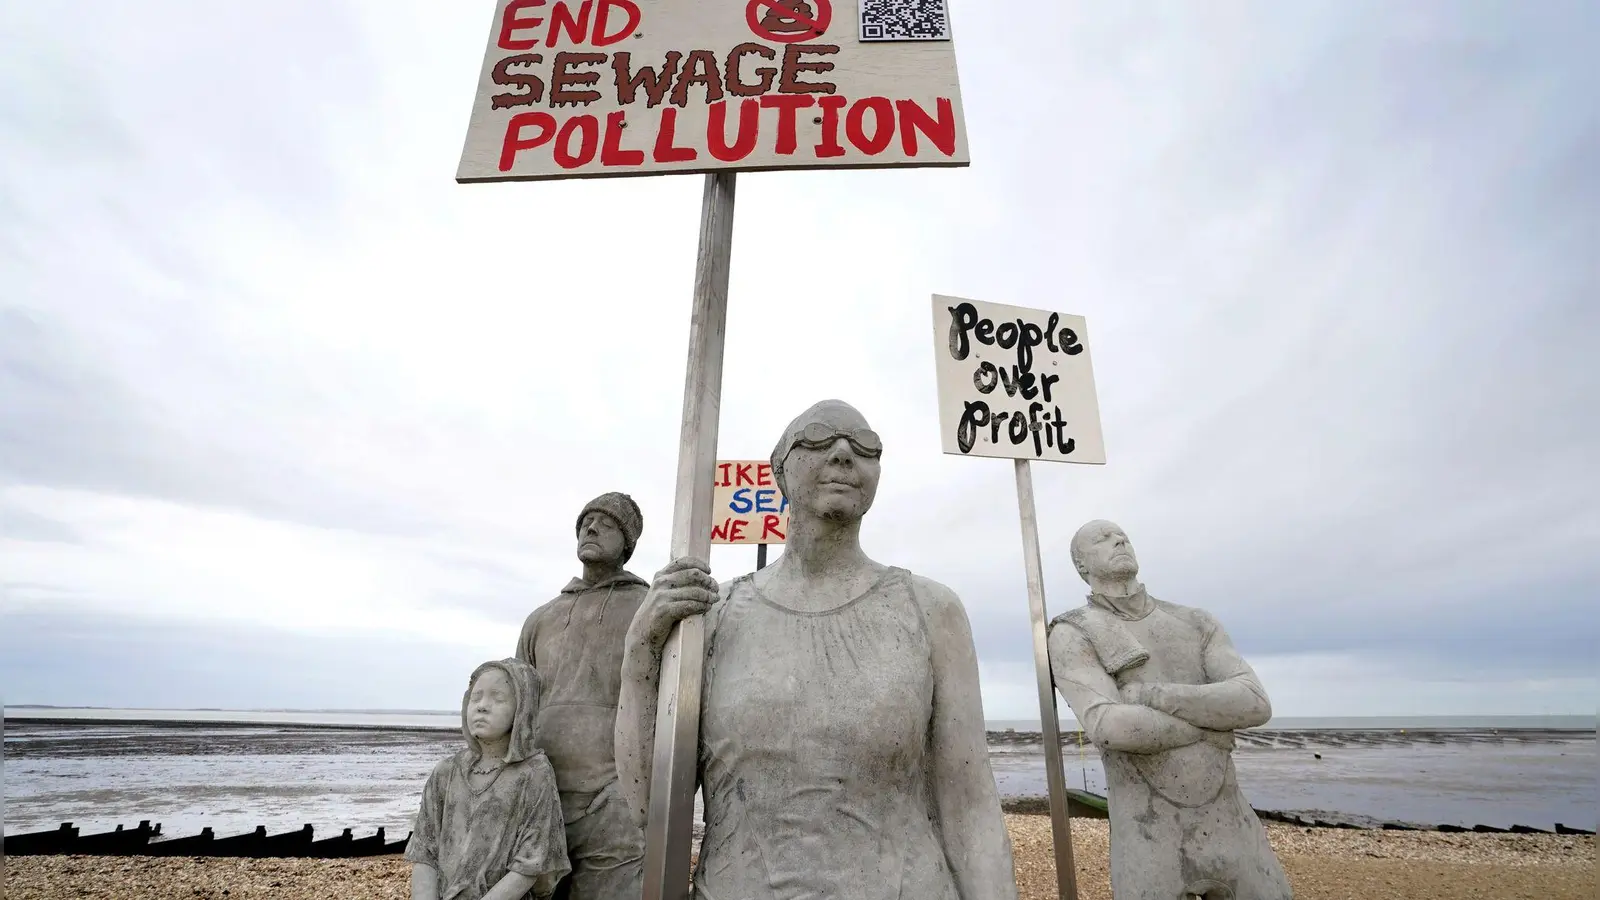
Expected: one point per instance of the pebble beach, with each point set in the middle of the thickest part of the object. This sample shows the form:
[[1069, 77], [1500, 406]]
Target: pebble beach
[[1323, 864]]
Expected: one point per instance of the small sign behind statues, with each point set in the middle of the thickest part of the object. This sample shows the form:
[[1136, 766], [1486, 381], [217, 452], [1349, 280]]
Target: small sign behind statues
[[1015, 383], [749, 508], [585, 88]]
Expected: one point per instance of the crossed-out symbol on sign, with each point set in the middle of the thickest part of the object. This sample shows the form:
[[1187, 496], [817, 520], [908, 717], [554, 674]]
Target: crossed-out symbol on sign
[[788, 21]]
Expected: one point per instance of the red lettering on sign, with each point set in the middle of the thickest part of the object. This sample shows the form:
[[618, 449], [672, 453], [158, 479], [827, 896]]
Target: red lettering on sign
[[941, 131], [665, 151], [743, 477], [786, 106], [883, 125], [769, 526], [601, 39], [829, 147], [720, 532], [566, 22], [577, 27], [749, 130], [515, 143], [578, 140], [764, 475], [723, 476], [510, 23], [611, 152], [589, 138], [736, 529]]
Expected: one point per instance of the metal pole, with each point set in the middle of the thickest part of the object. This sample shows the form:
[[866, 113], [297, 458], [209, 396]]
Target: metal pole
[[1060, 816], [670, 821], [761, 556]]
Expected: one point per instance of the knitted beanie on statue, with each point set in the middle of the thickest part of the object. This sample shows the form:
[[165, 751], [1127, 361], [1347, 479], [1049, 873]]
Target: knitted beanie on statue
[[621, 508]]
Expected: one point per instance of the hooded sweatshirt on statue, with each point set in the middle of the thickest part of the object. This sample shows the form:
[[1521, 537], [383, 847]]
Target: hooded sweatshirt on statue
[[576, 642]]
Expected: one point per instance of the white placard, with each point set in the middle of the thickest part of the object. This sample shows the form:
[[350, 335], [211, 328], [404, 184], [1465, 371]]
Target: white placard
[[1015, 383], [592, 88]]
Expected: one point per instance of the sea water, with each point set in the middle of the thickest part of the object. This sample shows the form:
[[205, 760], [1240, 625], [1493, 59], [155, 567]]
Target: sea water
[[364, 769]]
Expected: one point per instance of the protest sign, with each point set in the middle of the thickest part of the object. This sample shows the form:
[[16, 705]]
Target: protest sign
[[589, 88], [1015, 383], [748, 506], [1018, 384]]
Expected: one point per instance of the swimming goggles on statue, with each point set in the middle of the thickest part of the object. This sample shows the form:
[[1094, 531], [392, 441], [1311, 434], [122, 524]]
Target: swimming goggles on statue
[[817, 436]]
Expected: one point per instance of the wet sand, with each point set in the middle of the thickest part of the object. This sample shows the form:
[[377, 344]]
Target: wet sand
[[1323, 864], [1364, 778]]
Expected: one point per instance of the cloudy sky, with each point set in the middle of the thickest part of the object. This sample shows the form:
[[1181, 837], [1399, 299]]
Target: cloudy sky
[[290, 419]]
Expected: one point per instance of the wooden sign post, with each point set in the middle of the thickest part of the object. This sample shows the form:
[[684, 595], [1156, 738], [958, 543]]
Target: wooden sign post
[[670, 821], [1018, 384], [597, 88]]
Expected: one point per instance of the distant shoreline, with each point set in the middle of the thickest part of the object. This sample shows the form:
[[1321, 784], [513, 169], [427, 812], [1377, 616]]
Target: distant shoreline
[[1561, 721], [195, 724], [1266, 737], [1337, 736]]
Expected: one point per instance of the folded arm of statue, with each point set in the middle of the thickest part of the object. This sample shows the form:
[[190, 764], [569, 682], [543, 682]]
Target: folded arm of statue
[[1110, 723], [1233, 697]]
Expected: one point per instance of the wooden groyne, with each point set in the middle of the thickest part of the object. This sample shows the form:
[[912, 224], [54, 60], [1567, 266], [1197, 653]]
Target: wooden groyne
[[1086, 805], [1267, 815], [144, 841]]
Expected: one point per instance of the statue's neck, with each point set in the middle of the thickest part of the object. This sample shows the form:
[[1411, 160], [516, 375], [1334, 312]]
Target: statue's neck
[[815, 546], [495, 750], [595, 573], [1126, 598]]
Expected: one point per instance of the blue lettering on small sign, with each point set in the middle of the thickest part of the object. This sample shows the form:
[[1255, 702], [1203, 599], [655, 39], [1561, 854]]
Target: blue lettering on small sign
[[765, 500]]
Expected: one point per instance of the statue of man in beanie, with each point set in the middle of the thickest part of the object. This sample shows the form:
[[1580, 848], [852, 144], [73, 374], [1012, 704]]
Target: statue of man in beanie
[[576, 643]]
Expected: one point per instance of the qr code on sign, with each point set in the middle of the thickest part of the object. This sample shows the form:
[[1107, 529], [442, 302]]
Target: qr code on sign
[[904, 20]]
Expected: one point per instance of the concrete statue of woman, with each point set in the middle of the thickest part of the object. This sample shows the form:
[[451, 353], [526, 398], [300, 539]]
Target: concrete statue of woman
[[842, 748]]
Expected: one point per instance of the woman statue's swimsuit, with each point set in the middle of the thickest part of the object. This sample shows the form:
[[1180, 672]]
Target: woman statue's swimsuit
[[814, 731]]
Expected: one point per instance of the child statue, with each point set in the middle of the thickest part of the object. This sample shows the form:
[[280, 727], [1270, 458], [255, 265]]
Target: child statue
[[490, 825]]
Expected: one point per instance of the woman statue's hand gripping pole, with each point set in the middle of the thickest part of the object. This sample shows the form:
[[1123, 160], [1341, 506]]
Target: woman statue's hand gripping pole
[[682, 589]]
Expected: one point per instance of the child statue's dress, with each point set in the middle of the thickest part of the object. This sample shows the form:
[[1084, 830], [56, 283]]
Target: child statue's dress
[[473, 838]]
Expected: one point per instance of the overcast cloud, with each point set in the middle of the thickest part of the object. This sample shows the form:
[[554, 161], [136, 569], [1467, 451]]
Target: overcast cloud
[[290, 419]]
